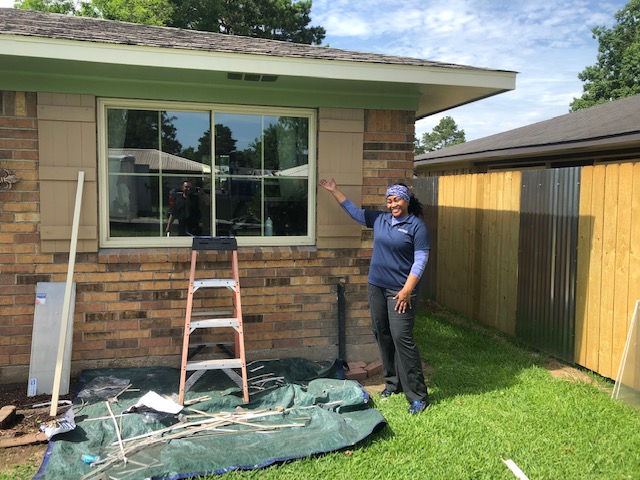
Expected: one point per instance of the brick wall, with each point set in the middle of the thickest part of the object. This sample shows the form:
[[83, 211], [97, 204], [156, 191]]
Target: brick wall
[[19, 239], [130, 303], [388, 153]]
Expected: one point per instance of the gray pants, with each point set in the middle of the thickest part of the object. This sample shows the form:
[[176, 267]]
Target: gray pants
[[399, 353]]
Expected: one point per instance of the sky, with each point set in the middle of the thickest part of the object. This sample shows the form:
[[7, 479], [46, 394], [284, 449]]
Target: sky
[[548, 42]]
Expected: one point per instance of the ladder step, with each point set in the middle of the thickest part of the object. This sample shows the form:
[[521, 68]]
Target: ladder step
[[195, 376], [221, 345], [220, 364], [214, 282], [212, 313], [214, 322]]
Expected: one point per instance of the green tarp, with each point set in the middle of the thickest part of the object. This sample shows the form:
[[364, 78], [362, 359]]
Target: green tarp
[[297, 408]]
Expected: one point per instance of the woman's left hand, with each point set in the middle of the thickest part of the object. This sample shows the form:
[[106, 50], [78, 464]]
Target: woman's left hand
[[403, 302]]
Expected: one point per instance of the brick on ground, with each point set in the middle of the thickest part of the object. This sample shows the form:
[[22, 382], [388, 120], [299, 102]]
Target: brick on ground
[[7, 416], [374, 368], [357, 364], [356, 373]]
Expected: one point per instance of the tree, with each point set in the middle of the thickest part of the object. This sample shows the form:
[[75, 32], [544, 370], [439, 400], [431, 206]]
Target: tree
[[146, 12], [286, 20], [52, 6], [617, 73], [139, 129], [444, 134]]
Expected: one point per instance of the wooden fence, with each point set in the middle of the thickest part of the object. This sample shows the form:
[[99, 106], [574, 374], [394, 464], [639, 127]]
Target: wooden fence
[[477, 255], [609, 264], [513, 260]]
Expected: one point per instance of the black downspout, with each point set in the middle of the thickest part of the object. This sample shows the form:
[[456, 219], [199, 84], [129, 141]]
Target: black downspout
[[342, 336]]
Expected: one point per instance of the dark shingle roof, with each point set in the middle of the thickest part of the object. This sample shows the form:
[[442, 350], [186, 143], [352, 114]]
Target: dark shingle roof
[[606, 121], [65, 27]]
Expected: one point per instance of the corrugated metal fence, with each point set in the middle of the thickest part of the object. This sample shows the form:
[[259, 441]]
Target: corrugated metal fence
[[427, 192], [551, 257], [547, 260]]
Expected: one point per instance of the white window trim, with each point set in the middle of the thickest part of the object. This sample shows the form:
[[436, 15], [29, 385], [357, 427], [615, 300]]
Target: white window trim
[[151, 242]]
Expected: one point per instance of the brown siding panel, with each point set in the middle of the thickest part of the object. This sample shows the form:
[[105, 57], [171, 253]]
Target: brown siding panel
[[340, 140], [67, 144]]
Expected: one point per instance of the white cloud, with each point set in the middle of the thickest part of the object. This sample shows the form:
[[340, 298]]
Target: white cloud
[[547, 42], [346, 25]]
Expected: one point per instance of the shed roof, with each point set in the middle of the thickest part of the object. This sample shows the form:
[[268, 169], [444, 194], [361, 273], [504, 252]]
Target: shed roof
[[157, 160], [610, 130], [149, 52]]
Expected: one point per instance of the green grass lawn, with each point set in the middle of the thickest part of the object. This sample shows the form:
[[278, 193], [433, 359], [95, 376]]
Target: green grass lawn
[[492, 400]]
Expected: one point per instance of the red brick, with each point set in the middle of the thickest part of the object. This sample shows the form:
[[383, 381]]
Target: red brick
[[357, 364], [374, 368], [356, 374]]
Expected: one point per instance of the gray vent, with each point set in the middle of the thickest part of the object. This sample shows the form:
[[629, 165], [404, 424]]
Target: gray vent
[[252, 77]]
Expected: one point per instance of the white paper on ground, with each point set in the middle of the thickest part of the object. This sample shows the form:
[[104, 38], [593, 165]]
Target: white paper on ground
[[158, 403]]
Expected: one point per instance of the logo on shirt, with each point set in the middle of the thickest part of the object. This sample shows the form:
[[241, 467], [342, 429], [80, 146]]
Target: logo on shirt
[[403, 230]]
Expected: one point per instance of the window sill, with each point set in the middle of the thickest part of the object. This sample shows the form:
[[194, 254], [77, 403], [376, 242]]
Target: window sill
[[183, 254]]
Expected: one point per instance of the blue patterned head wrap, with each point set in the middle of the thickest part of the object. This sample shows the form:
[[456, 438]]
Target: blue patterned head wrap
[[399, 191]]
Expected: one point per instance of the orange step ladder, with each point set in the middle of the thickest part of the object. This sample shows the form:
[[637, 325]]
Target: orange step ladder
[[213, 320]]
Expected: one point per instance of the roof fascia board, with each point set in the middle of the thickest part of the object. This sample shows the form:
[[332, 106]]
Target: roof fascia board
[[36, 47]]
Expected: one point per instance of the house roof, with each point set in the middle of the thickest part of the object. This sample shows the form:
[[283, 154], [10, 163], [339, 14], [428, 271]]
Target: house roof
[[46, 25], [66, 42], [608, 131], [157, 160]]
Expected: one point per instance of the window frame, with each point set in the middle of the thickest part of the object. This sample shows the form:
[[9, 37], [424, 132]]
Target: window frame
[[175, 241]]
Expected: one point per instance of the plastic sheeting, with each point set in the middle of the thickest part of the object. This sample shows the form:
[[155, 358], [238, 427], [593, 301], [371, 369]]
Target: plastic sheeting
[[297, 408]]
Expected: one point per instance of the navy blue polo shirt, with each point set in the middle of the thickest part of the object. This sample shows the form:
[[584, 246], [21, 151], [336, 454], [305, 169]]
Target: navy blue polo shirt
[[394, 247]]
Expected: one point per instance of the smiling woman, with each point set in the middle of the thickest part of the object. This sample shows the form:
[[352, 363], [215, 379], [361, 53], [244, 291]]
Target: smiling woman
[[400, 253]]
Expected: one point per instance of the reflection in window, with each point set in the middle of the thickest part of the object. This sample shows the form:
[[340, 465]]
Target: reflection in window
[[161, 178], [150, 153], [261, 164]]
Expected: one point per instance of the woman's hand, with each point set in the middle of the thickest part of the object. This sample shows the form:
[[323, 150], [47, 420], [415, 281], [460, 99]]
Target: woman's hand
[[404, 296], [329, 185], [403, 301]]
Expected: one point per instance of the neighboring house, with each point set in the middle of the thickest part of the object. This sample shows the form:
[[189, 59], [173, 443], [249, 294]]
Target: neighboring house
[[545, 220], [136, 107], [600, 134]]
